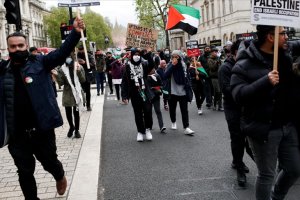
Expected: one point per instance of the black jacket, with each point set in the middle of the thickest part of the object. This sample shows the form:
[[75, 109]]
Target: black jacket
[[263, 105], [128, 88], [40, 90], [224, 80]]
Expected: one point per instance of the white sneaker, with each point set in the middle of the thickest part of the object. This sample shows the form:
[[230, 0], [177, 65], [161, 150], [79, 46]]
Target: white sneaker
[[148, 134], [200, 111], [174, 126], [139, 137], [189, 131]]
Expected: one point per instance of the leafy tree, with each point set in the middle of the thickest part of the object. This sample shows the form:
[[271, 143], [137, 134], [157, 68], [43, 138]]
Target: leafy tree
[[96, 27], [52, 24], [152, 13]]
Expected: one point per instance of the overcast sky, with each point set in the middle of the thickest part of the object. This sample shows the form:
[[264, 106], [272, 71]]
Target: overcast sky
[[121, 10]]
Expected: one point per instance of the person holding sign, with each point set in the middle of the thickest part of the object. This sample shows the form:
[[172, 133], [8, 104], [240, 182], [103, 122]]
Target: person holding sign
[[32, 110], [268, 119]]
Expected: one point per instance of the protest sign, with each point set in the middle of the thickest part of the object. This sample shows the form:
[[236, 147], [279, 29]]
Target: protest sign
[[138, 36], [276, 13], [192, 48], [78, 3], [246, 36]]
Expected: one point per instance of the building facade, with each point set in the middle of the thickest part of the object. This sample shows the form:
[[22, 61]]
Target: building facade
[[220, 20], [32, 12]]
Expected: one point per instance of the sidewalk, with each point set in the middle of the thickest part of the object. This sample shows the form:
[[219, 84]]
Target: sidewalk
[[80, 158]]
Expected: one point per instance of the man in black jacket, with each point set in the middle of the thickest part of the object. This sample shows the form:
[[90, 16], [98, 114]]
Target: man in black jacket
[[233, 116], [32, 112], [265, 95]]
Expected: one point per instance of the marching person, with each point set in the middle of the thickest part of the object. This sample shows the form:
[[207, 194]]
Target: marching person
[[32, 110], [71, 75], [233, 117], [203, 59], [135, 87], [161, 71], [109, 59], [116, 74], [155, 83], [179, 88], [89, 74], [100, 71], [267, 97], [198, 76], [214, 64]]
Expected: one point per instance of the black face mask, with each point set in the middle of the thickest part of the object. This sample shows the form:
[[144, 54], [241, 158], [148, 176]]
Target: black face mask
[[19, 56]]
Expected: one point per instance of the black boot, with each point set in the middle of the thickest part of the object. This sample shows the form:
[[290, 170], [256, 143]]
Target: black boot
[[77, 134], [245, 168], [70, 132], [241, 177]]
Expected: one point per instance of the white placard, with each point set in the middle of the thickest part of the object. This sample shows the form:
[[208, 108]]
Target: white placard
[[276, 12], [78, 3]]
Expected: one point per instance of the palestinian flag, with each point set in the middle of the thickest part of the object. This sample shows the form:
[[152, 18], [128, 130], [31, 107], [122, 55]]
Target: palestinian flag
[[183, 17]]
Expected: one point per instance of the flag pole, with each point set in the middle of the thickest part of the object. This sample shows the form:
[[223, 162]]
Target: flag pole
[[83, 42]]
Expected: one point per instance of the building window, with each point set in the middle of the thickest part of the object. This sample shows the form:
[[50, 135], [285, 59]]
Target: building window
[[224, 7], [213, 12], [207, 14], [232, 37], [208, 40], [214, 37], [199, 41], [202, 15], [230, 6]]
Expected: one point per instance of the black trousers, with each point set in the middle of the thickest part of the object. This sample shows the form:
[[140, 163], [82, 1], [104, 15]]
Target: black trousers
[[142, 113], [238, 140], [24, 148], [198, 89], [87, 89], [183, 103], [117, 87], [208, 88], [70, 117], [110, 84]]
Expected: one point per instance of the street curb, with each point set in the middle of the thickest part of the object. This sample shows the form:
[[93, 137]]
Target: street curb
[[85, 180]]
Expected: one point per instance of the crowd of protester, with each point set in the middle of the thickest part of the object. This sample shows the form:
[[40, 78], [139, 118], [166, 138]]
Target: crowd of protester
[[240, 81]]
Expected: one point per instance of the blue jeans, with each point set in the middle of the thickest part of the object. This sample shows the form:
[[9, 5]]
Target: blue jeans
[[283, 144], [99, 81]]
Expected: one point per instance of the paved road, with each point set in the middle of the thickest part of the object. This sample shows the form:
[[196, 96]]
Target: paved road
[[172, 166]]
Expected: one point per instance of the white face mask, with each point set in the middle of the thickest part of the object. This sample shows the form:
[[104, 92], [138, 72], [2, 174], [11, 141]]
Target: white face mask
[[167, 52], [136, 58]]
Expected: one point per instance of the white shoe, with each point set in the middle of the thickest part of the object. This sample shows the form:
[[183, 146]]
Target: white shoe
[[189, 131], [148, 134], [200, 111], [139, 137], [174, 126]]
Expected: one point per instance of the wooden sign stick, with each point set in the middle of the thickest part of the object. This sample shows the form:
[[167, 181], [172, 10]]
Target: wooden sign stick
[[84, 45], [275, 61]]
